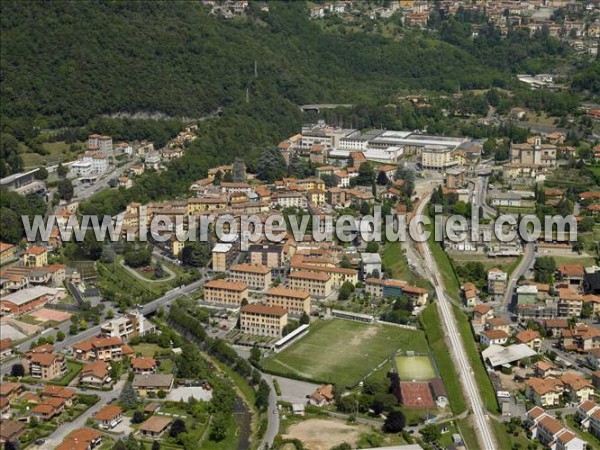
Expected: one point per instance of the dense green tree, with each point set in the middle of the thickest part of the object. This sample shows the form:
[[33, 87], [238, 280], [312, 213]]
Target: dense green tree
[[177, 427], [218, 427], [196, 254], [544, 269], [270, 165], [128, 398], [41, 174], [345, 291], [262, 395], [408, 176], [138, 256], [366, 175], [430, 433], [62, 171], [395, 422], [17, 370], [138, 417], [65, 189]]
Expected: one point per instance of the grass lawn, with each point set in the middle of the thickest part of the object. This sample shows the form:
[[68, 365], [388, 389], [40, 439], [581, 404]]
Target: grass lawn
[[468, 433], [73, 369], [342, 352], [166, 366], [395, 263], [446, 268], [583, 260], [431, 322], [416, 368], [486, 389], [510, 440], [146, 349], [592, 440]]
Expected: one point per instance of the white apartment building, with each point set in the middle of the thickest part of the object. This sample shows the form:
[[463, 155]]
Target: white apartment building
[[289, 199], [101, 144]]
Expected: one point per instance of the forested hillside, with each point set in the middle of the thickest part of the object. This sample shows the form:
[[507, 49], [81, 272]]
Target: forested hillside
[[65, 64]]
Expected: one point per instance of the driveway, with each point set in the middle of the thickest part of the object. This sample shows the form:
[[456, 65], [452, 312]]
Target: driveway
[[294, 391], [61, 432]]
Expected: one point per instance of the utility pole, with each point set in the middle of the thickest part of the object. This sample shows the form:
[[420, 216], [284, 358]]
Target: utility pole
[[255, 69]]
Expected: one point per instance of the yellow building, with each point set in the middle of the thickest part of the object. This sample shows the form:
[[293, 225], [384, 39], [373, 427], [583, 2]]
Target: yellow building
[[225, 292], [338, 275], [176, 246], [256, 276], [318, 284], [7, 252], [35, 257], [263, 320], [316, 196], [544, 391], [202, 204], [295, 301]]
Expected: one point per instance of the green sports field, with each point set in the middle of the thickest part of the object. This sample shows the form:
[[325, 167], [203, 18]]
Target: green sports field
[[342, 351], [414, 368]]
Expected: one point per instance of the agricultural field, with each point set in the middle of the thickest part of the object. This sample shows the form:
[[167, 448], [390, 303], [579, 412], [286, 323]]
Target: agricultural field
[[342, 351]]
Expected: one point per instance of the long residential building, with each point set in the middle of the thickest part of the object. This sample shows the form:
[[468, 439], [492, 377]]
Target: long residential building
[[254, 275], [99, 349], [263, 320], [395, 288], [338, 275], [127, 327], [296, 302], [318, 284], [225, 292]]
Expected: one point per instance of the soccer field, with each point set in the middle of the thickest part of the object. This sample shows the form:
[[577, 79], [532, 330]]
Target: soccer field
[[342, 351], [414, 368]]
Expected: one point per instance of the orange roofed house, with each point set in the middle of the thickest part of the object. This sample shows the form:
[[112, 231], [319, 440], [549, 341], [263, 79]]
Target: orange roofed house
[[99, 349], [95, 374], [322, 396], [143, 364], [40, 362], [154, 427], [81, 439], [109, 417], [35, 256]]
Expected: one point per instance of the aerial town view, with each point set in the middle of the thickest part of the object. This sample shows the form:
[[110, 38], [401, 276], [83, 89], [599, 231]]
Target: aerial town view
[[300, 225]]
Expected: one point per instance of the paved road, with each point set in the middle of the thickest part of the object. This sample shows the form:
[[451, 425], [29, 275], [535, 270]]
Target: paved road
[[524, 266], [273, 423], [483, 427], [69, 340], [62, 431]]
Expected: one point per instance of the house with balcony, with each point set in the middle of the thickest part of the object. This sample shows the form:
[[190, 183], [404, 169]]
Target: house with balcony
[[530, 338], [99, 349], [544, 392], [108, 417], [95, 374]]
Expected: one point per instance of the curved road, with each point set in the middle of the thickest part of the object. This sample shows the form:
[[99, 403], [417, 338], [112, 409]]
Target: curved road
[[485, 435]]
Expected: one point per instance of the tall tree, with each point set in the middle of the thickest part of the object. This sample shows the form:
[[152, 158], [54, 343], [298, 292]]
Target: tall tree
[[65, 189], [270, 165]]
